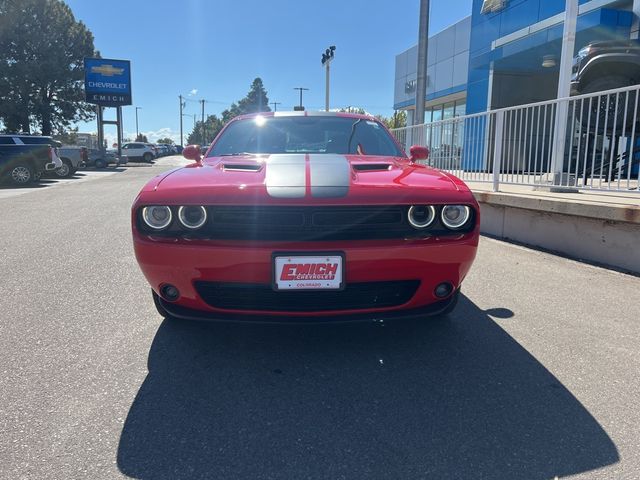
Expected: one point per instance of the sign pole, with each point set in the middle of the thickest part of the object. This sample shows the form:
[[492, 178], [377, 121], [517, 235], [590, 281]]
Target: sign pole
[[119, 127], [100, 129]]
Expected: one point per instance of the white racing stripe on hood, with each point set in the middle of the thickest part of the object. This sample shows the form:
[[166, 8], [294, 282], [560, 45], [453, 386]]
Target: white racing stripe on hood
[[286, 176], [330, 175]]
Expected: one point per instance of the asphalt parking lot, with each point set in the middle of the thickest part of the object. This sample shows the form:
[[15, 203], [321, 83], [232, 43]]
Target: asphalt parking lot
[[535, 376]]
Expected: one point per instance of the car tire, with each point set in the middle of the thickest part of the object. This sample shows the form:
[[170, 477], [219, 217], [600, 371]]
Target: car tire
[[21, 175], [100, 163], [163, 313], [65, 171], [593, 115], [147, 157], [452, 304]]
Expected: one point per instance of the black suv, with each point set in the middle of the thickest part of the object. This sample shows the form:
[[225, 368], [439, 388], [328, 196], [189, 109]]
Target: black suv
[[606, 65]]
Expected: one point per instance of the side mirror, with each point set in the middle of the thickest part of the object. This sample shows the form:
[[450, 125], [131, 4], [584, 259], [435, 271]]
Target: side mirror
[[192, 152], [418, 152]]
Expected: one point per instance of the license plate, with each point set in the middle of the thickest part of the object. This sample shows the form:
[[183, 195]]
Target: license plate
[[308, 272]]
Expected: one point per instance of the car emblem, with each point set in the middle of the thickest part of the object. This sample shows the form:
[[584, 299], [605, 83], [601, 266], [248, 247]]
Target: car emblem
[[107, 70]]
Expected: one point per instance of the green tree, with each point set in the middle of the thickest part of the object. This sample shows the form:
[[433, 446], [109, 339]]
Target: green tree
[[199, 136], [165, 140], [350, 109], [255, 101], [142, 138], [42, 51], [67, 137], [397, 120]]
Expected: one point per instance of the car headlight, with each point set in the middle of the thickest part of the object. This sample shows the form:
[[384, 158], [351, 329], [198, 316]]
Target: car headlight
[[421, 216], [157, 217], [455, 216], [192, 217]]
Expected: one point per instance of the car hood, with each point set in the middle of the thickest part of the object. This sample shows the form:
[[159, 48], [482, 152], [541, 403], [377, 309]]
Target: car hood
[[306, 179]]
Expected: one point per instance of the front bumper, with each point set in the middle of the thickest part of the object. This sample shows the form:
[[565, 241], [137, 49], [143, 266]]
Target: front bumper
[[182, 263], [182, 313]]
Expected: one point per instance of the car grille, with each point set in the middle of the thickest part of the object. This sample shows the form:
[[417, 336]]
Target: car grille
[[261, 297], [319, 223], [308, 223]]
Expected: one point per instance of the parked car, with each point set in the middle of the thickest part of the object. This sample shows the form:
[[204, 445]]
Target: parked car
[[72, 158], [138, 151], [24, 164], [168, 149], [30, 162], [603, 66], [305, 218], [102, 158]]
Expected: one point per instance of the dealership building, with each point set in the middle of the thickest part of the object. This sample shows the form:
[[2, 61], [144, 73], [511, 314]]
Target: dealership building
[[506, 53]]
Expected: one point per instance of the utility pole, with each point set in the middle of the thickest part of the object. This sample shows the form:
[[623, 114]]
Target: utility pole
[[181, 135], [300, 107], [327, 56], [423, 46], [275, 105], [564, 89], [203, 139], [137, 132]]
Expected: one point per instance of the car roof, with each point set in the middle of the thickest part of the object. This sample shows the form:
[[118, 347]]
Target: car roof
[[307, 114]]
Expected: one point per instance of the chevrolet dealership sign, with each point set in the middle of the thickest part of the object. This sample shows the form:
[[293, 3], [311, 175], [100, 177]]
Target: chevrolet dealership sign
[[107, 82]]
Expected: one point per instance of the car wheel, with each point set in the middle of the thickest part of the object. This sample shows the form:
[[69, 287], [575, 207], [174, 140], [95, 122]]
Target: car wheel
[[100, 163], [147, 157], [65, 170], [21, 175], [37, 176], [452, 304], [603, 109], [163, 313]]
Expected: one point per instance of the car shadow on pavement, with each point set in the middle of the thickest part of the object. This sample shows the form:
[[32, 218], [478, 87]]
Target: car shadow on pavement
[[435, 398]]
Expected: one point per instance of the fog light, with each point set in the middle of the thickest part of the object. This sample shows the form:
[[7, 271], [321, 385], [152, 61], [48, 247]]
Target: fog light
[[170, 293], [443, 290]]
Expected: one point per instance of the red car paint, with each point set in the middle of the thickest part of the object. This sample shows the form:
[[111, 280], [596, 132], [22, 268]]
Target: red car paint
[[182, 260]]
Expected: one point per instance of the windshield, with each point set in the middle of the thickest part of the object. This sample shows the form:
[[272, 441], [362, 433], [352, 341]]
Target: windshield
[[313, 134]]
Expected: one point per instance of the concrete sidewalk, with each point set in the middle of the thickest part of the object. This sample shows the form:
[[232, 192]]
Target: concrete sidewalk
[[594, 226]]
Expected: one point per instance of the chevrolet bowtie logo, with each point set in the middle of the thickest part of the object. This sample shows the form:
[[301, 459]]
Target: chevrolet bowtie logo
[[107, 70]]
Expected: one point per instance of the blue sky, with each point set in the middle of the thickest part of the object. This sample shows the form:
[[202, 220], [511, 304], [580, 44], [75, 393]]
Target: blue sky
[[213, 49]]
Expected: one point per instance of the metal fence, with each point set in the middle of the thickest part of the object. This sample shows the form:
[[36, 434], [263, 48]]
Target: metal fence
[[596, 147]]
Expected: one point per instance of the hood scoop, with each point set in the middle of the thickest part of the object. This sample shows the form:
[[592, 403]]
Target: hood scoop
[[371, 167], [241, 167]]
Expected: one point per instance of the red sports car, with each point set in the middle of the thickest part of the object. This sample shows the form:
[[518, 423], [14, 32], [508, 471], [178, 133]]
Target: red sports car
[[305, 217]]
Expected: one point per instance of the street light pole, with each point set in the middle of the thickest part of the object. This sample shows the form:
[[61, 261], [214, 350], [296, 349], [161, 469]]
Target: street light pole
[[327, 56], [137, 133], [203, 139], [275, 105], [181, 107], [423, 45]]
